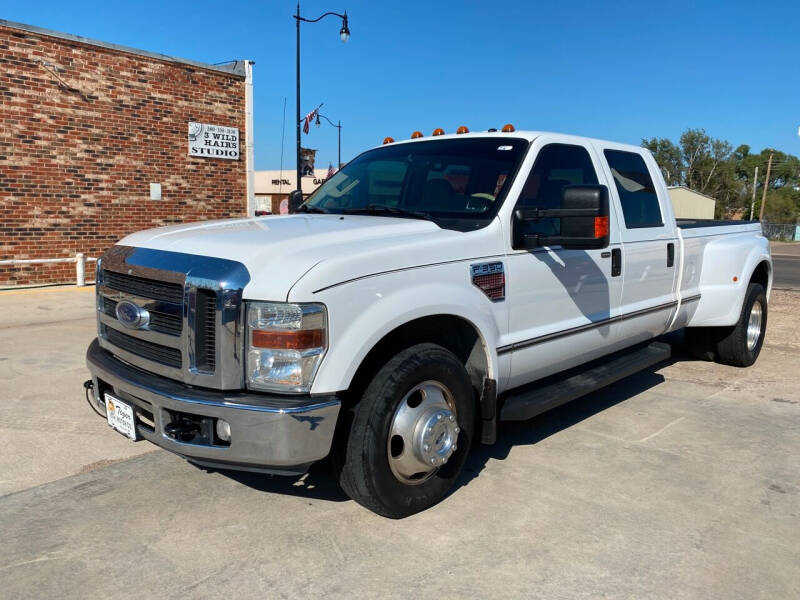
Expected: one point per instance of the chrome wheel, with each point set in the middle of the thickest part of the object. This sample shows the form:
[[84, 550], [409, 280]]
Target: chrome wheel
[[754, 326], [423, 433]]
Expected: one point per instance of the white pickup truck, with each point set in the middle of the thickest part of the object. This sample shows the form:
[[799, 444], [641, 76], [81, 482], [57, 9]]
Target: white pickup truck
[[427, 290]]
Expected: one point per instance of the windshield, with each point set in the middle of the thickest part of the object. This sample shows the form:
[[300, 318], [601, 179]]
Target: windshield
[[458, 183]]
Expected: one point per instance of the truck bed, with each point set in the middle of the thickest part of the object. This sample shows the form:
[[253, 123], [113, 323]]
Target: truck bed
[[692, 223]]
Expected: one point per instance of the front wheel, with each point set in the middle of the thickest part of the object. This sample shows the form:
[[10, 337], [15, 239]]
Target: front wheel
[[410, 433]]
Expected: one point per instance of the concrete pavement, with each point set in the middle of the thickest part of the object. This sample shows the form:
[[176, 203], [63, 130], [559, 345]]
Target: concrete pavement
[[677, 483], [47, 431], [786, 263]]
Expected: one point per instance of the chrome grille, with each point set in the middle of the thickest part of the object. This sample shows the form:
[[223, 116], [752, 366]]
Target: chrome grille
[[165, 355], [193, 332], [141, 286], [163, 322], [206, 330]]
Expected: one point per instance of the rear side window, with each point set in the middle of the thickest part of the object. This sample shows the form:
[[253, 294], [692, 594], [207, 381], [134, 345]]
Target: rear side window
[[637, 194], [556, 166]]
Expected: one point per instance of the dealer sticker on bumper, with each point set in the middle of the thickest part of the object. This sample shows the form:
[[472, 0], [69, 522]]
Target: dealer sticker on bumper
[[120, 416]]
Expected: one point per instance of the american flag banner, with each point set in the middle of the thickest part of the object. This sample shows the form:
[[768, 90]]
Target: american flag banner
[[331, 172], [308, 118]]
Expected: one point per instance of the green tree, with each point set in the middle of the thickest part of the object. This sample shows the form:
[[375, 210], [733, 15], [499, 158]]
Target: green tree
[[784, 183], [713, 167], [782, 206], [707, 165]]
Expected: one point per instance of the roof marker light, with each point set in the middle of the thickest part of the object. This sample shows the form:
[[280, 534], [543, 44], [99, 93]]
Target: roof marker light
[[438, 131], [388, 140], [462, 129], [416, 134], [508, 128]]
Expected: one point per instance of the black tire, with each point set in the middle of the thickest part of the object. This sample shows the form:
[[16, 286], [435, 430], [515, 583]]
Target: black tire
[[732, 348], [700, 342], [363, 468]]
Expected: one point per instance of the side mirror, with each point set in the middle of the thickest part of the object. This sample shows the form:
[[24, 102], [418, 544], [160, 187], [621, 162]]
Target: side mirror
[[295, 200], [584, 216]]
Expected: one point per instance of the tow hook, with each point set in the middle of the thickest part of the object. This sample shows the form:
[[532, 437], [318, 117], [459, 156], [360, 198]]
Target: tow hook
[[91, 397], [182, 430]]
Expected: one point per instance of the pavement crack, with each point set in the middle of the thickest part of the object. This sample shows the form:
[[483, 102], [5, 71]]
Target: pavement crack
[[660, 431], [38, 559]]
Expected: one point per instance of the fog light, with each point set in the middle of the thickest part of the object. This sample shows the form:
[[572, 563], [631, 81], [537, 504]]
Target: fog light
[[223, 430]]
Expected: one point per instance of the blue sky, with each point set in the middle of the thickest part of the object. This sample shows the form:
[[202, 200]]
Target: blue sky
[[618, 70]]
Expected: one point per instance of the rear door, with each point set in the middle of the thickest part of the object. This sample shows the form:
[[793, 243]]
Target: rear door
[[649, 242]]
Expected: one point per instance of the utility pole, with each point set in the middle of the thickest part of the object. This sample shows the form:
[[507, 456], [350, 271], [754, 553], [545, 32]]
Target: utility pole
[[753, 201], [297, 106], [766, 185]]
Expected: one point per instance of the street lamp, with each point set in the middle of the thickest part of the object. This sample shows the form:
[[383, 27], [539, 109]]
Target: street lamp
[[344, 35], [339, 127]]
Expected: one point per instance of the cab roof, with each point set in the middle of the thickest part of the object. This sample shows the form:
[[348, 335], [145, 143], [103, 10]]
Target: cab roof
[[526, 135]]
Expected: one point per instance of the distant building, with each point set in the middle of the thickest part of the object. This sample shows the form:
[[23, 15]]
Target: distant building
[[688, 204], [275, 185]]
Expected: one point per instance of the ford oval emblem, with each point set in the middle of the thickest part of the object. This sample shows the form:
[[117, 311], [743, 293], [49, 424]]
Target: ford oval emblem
[[132, 316]]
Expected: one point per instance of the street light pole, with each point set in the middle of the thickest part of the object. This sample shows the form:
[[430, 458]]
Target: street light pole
[[299, 168], [339, 127], [344, 35]]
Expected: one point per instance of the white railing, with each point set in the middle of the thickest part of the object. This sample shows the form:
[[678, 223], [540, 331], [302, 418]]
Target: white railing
[[80, 260]]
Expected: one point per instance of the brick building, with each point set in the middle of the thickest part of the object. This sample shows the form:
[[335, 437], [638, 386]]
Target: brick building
[[92, 134]]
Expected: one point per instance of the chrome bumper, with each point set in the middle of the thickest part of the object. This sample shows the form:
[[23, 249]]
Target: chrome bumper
[[270, 433]]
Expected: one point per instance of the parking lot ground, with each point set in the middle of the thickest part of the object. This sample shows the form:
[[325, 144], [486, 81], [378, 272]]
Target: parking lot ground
[[47, 430], [786, 262], [681, 482]]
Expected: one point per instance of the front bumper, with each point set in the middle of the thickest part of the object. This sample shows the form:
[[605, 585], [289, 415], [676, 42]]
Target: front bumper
[[270, 433]]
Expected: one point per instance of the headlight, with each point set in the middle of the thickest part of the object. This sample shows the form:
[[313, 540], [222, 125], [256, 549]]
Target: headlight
[[285, 344]]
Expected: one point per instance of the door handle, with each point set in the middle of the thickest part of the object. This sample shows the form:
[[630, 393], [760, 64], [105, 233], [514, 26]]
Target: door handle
[[670, 255], [616, 262]]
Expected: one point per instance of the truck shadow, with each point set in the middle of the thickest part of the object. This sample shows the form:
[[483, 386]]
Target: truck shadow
[[320, 484], [529, 432], [535, 430], [317, 484]]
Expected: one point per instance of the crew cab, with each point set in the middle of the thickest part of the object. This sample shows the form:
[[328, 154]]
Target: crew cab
[[428, 289]]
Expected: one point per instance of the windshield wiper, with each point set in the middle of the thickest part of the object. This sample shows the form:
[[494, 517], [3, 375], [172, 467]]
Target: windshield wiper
[[310, 208], [371, 209]]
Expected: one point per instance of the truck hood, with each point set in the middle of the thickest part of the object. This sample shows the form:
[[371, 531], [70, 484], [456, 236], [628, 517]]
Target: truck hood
[[279, 250]]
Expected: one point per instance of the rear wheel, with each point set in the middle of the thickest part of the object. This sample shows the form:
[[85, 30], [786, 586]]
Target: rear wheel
[[742, 345], [739, 345], [410, 433]]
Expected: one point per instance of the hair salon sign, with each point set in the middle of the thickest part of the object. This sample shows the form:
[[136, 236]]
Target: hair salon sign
[[213, 141]]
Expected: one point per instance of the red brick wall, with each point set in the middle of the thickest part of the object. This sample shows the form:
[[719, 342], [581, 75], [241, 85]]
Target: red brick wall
[[79, 149]]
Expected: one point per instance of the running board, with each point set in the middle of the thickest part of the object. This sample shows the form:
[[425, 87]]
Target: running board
[[534, 401]]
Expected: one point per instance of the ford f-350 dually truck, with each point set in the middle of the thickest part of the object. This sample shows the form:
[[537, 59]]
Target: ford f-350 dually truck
[[429, 289]]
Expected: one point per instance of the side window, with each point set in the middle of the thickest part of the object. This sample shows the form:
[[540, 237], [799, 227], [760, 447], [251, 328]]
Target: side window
[[556, 166], [637, 194]]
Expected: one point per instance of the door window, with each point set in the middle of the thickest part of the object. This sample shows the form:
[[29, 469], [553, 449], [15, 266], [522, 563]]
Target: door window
[[556, 166], [637, 194]]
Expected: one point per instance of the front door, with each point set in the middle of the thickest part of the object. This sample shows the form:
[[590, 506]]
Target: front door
[[561, 301]]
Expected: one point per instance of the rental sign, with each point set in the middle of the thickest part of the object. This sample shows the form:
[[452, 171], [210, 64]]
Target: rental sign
[[213, 141]]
